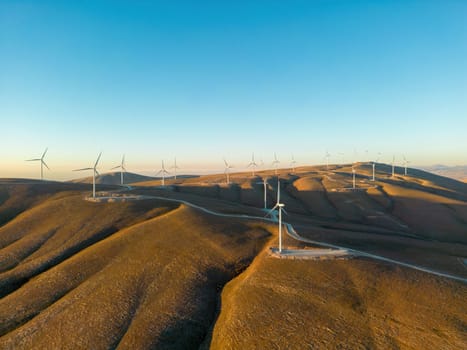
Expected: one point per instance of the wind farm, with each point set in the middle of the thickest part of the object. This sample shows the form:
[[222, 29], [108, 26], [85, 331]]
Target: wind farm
[[325, 229], [233, 175]]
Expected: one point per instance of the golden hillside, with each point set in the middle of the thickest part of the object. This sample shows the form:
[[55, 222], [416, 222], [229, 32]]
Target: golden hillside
[[155, 267]]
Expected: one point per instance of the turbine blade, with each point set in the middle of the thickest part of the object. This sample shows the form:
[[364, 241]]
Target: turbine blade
[[83, 169], [97, 161], [97, 173], [33, 160], [270, 211], [116, 167], [43, 155], [45, 164]]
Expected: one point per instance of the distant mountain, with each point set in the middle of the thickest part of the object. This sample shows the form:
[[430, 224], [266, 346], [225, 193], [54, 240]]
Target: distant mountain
[[114, 178], [458, 172]]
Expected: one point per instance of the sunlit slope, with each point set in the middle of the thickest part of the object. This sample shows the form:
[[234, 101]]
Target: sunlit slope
[[150, 285], [57, 228], [340, 304], [419, 204], [114, 178], [17, 195]]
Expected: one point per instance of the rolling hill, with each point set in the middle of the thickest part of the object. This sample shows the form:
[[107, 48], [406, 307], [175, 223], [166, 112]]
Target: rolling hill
[[114, 178], [458, 172], [154, 267]]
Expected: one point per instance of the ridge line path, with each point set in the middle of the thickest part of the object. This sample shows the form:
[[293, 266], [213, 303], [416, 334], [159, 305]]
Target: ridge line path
[[292, 233]]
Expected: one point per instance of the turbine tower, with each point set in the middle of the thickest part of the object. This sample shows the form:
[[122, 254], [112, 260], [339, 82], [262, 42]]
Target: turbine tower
[[122, 168], [374, 165], [227, 171], [405, 165], [292, 164], [163, 172], [353, 176], [275, 163], [280, 207], [175, 167], [265, 186], [327, 159], [253, 164], [94, 173], [41, 159]]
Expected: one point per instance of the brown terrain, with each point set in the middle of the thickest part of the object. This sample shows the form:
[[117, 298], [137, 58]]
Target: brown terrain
[[120, 273], [458, 172]]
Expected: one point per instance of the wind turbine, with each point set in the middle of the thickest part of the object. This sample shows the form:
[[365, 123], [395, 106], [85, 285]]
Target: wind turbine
[[353, 176], [175, 167], [94, 173], [41, 159], [275, 163], [374, 165], [122, 169], [265, 185], [327, 159], [253, 164], [342, 155], [292, 164], [405, 165], [393, 160], [163, 172], [280, 207], [227, 171]]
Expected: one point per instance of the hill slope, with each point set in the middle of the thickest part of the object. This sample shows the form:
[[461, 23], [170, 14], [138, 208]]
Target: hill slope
[[136, 270], [133, 275], [114, 178]]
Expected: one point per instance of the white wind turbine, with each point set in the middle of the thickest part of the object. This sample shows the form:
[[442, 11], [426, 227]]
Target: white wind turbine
[[280, 207], [293, 163], [327, 155], [122, 168], [41, 159], [163, 172], [94, 173], [374, 165], [253, 164], [175, 167], [353, 176], [405, 165], [227, 171], [275, 163]]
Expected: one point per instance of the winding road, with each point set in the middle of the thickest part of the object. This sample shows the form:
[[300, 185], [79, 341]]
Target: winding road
[[293, 234]]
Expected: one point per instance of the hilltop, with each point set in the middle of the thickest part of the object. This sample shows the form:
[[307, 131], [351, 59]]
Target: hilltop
[[113, 178]]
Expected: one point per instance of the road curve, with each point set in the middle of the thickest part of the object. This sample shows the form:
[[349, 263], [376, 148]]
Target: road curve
[[292, 233]]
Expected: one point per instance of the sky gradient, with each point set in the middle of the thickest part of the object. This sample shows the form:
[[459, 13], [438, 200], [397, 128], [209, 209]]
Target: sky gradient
[[203, 80]]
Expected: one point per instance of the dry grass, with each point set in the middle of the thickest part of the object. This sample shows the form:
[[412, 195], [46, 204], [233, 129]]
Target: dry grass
[[147, 274], [100, 259], [351, 304]]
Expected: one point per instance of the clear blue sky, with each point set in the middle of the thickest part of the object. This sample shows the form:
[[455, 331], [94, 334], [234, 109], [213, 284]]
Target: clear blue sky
[[201, 80]]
